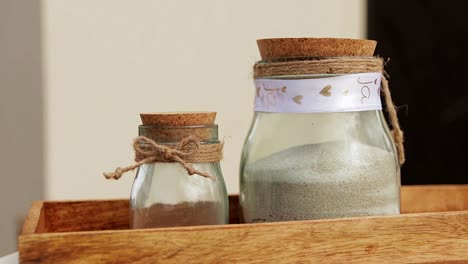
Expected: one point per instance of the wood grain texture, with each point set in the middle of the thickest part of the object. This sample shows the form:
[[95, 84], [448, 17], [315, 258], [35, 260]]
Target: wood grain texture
[[72, 216], [86, 215], [68, 216], [434, 198], [411, 238], [35, 219], [69, 232]]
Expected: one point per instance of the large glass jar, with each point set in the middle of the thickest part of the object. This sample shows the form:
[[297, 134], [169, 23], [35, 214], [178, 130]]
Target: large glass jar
[[314, 165], [163, 193]]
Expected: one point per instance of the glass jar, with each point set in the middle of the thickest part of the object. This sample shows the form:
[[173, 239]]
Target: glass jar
[[164, 195], [301, 165], [290, 164]]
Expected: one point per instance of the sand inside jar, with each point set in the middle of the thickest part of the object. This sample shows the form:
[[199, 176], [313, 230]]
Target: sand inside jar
[[181, 214], [328, 180]]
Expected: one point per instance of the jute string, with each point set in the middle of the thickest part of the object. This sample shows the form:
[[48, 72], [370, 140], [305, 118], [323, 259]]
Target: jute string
[[338, 65], [189, 150]]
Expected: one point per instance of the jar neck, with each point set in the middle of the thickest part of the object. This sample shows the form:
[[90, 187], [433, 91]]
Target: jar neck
[[174, 134]]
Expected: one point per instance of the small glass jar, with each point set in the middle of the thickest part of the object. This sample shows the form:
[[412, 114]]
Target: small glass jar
[[315, 165], [164, 195]]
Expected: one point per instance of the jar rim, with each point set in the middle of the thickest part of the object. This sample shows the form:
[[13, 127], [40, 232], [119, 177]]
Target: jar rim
[[178, 127]]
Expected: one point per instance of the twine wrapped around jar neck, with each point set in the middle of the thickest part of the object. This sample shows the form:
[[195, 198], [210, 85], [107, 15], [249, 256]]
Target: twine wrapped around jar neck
[[189, 150], [337, 65]]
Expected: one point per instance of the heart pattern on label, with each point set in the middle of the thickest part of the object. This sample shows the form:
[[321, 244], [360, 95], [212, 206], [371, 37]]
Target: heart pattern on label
[[297, 99]]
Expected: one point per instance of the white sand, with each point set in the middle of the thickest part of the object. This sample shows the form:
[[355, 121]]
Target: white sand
[[334, 179]]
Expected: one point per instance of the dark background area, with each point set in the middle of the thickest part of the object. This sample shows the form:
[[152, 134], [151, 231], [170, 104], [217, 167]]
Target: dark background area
[[427, 43]]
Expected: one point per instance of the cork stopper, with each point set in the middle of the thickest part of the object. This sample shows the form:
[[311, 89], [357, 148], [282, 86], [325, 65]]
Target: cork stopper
[[175, 126], [178, 118], [280, 48]]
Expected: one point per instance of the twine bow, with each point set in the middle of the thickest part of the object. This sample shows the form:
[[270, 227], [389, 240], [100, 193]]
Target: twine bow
[[148, 151]]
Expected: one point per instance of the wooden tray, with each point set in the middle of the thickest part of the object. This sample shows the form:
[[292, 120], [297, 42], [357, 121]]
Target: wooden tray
[[433, 229]]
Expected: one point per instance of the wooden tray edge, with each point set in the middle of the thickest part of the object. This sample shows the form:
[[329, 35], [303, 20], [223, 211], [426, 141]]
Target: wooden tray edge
[[351, 220], [35, 219]]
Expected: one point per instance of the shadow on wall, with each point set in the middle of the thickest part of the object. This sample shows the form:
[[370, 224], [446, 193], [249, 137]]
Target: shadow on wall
[[21, 116]]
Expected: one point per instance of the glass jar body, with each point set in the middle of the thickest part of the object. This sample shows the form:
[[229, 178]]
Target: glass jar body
[[164, 195], [300, 166]]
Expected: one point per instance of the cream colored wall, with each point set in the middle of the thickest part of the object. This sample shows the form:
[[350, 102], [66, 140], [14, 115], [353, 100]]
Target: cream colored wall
[[75, 74], [106, 61]]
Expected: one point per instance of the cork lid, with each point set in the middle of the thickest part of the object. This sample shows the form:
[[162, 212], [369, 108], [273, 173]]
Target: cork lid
[[178, 118], [175, 126], [277, 48]]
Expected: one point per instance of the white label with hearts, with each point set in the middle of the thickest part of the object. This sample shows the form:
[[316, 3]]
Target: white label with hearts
[[345, 93]]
